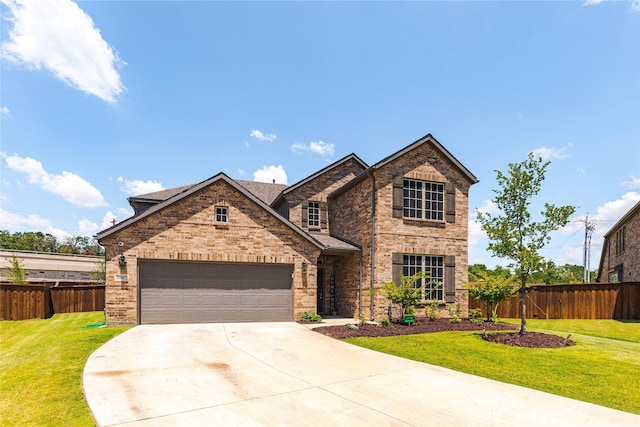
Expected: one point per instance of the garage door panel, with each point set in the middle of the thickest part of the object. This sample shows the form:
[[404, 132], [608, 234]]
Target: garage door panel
[[176, 292]]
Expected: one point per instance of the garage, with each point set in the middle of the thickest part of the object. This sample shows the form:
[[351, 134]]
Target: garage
[[208, 292]]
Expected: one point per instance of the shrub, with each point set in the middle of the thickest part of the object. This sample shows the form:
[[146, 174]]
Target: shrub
[[433, 310], [384, 322], [475, 315], [454, 313], [406, 293], [311, 317]]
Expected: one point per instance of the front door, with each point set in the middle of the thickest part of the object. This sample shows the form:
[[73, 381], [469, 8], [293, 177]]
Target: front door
[[320, 291]]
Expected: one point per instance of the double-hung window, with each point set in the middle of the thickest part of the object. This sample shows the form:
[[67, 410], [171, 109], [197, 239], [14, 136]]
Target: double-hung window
[[313, 214], [432, 264], [620, 240], [423, 200]]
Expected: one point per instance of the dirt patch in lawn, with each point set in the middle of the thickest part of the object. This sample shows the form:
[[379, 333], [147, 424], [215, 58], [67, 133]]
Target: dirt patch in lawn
[[530, 339]]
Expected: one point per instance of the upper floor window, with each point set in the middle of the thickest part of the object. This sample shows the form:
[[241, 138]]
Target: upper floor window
[[423, 200], [620, 240], [313, 214], [222, 214], [434, 265]]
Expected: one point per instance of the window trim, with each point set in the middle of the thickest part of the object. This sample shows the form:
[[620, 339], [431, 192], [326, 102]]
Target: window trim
[[221, 218], [620, 240], [313, 214], [424, 199], [440, 265]]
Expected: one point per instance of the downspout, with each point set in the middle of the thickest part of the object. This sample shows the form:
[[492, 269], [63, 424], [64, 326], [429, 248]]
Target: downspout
[[360, 302], [373, 239]]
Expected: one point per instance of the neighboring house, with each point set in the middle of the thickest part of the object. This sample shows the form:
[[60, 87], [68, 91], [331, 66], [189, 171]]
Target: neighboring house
[[52, 268], [226, 250], [620, 259]]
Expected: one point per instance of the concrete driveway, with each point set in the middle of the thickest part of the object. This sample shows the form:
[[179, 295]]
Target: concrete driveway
[[278, 374]]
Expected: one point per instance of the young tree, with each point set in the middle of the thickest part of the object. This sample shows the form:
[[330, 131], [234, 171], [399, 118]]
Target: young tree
[[513, 234], [491, 290], [16, 273], [406, 294], [99, 273]]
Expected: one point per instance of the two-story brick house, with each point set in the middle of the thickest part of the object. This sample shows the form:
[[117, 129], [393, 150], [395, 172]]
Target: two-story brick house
[[620, 258], [228, 250]]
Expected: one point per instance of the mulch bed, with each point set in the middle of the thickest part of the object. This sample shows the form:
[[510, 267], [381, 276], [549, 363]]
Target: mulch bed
[[423, 326]]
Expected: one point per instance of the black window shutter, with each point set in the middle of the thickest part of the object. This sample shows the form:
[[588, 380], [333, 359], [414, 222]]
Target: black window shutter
[[450, 279], [323, 215], [305, 214], [396, 267], [450, 201], [398, 195]]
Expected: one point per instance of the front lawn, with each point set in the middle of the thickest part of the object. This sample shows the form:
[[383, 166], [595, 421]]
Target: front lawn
[[41, 363], [602, 368]]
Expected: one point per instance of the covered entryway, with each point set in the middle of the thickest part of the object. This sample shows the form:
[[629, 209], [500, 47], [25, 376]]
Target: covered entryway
[[208, 292]]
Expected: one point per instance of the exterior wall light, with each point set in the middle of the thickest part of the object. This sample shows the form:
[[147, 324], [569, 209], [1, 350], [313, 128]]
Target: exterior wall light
[[122, 262], [304, 266]]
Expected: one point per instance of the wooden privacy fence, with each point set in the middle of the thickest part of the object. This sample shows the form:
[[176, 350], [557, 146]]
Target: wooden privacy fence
[[619, 301], [20, 302]]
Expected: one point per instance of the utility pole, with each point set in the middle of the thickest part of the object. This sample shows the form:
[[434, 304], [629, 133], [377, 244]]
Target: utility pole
[[589, 228]]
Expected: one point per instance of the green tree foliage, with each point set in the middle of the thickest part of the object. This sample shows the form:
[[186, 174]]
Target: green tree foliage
[[16, 273], [37, 241], [512, 232], [491, 290], [406, 294], [549, 274]]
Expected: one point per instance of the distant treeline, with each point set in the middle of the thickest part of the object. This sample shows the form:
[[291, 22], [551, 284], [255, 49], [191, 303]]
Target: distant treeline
[[36, 241], [550, 274]]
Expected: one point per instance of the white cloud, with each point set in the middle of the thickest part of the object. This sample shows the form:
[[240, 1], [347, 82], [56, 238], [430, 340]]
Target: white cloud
[[5, 111], [325, 149], [262, 137], [87, 228], [136, 186], [297, 147], [633, 183], [322, 148], [575, 256], [13, 222], [60, 37], [476, 233], [489, 206], [635, 4], [241, 172], [552, 153], [69, 186], [270, 174]]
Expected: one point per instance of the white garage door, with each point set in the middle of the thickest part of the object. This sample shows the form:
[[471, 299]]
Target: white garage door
[[206, 292]]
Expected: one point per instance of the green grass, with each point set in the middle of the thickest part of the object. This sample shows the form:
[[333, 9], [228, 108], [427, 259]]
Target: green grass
[[602, 368], [41, 363]]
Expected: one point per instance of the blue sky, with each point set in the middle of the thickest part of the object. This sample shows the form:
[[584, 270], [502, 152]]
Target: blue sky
[[100, 100]]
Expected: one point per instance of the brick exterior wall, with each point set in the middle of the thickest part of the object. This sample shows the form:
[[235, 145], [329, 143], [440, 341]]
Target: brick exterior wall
[[319, 188], [629, 259], [186, 230], [350, 215]]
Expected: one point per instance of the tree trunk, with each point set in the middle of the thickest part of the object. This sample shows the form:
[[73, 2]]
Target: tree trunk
[[523, 314]]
